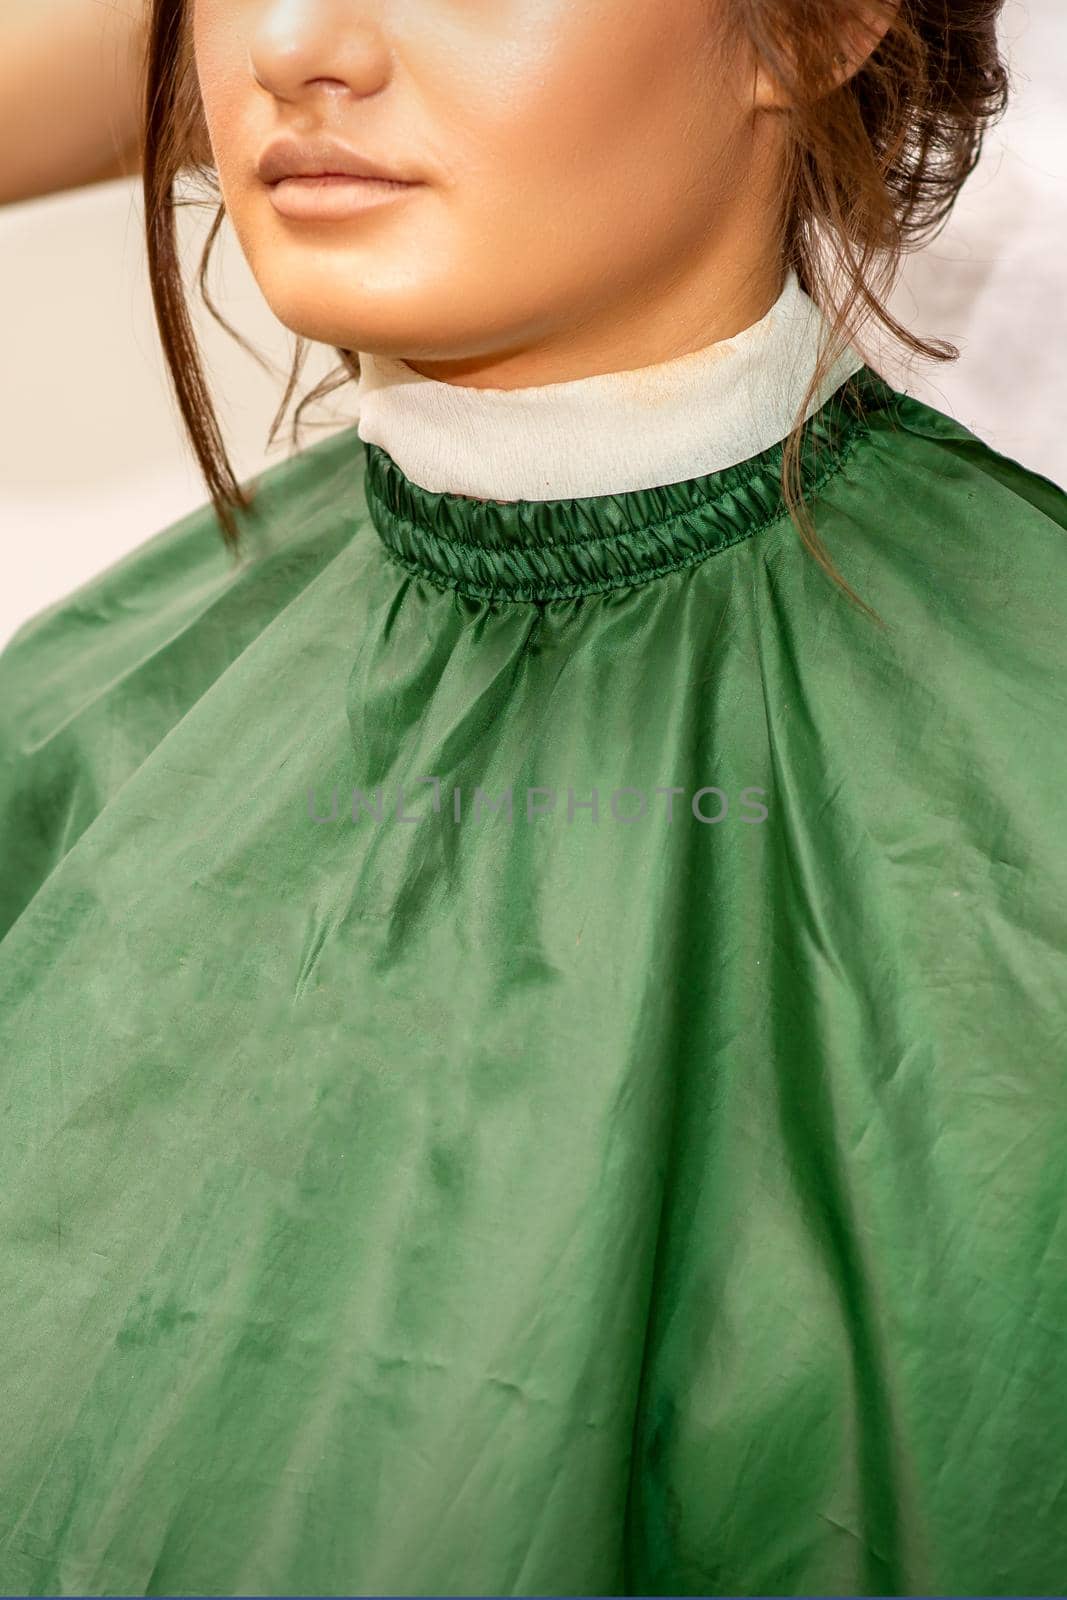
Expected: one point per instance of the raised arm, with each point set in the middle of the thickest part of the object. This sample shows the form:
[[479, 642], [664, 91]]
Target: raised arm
[[70, 93]]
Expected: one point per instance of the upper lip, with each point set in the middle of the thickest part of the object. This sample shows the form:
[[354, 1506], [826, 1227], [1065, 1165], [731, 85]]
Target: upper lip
[[316, 158]]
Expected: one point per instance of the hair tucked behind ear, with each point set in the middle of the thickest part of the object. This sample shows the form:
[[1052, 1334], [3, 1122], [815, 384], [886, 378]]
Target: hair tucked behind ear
[[873, 167]]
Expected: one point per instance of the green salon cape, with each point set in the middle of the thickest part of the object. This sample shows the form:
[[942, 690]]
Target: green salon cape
[[534, 1039]]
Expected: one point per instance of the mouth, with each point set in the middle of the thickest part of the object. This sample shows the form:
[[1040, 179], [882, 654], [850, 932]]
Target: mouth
[[333, 196]]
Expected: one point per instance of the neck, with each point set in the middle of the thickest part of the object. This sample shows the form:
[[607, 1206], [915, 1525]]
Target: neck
[[608, 433], [662, 324]]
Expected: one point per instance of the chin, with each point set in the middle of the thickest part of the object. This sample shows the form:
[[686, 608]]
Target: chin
[[351, 315], [312, 322]]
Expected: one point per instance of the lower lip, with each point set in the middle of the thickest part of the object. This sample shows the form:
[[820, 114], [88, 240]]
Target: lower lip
[[333, 196]]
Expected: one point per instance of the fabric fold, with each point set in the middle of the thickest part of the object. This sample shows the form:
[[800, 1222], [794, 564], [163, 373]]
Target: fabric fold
[[551, 1091]]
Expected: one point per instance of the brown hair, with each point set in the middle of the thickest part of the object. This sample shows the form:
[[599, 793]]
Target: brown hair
[[874, 164]]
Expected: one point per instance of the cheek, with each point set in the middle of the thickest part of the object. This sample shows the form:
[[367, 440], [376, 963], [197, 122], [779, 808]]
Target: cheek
[[641, 122], [222, 80], [593, 172]]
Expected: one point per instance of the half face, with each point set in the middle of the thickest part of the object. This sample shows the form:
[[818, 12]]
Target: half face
[[588, 184]]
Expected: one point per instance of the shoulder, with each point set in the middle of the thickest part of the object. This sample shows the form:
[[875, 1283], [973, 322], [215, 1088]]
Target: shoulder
[[943, 533], [182, 595], [942, 468], [942, 732], [90, 686], [961, 552], [983, 478]]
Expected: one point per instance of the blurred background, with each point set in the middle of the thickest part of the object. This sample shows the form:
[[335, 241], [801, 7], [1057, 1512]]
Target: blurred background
[[93, 459]]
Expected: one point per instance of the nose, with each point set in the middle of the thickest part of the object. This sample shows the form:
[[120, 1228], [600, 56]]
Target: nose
[[302, 48]]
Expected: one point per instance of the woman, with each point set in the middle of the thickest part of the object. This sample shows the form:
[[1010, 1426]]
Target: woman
[[533, 997]]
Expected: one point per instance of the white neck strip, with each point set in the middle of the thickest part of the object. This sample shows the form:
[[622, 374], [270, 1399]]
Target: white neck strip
[[608, 434]]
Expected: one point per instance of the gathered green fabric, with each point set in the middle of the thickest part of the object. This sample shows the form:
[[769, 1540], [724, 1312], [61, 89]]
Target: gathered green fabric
[[533, 1039], [559, 549]]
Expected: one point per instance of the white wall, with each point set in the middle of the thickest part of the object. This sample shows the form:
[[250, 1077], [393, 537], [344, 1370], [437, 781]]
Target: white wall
[[995, 281], [93, 459]]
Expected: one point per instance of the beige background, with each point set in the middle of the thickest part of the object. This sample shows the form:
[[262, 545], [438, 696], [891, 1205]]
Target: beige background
[[93, 460]]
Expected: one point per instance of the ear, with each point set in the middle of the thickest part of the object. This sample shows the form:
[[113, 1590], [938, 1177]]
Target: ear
[[858, 39]]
